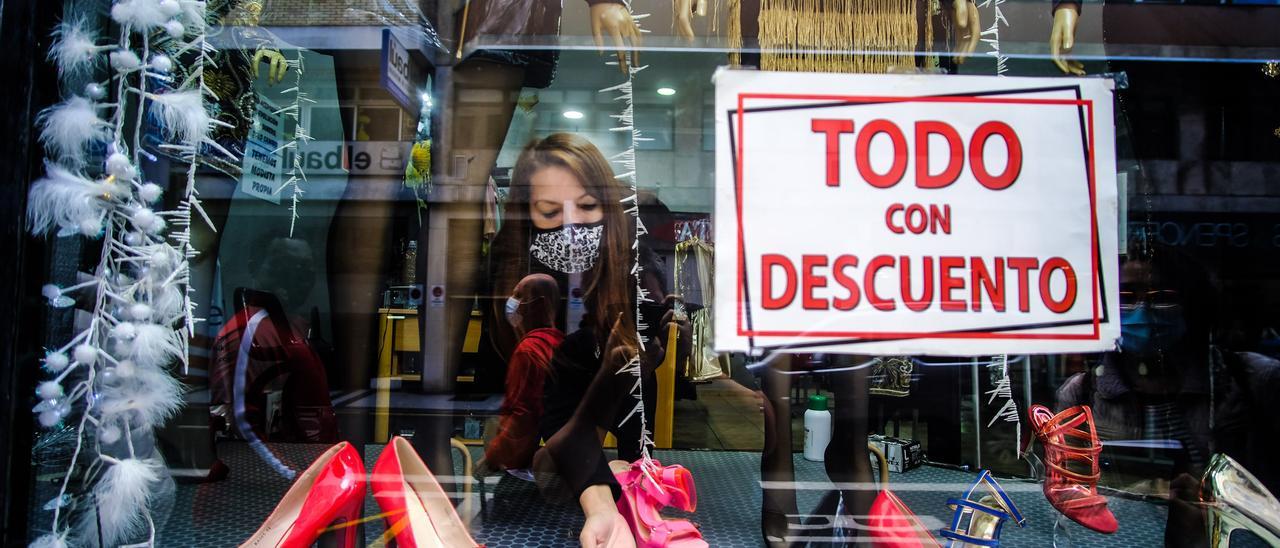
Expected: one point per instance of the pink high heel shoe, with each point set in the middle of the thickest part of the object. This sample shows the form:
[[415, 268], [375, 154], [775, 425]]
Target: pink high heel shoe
[[679, 482], [644, 492]]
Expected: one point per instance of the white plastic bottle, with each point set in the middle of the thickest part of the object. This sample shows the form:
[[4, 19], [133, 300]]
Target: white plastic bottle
[[817, 428]]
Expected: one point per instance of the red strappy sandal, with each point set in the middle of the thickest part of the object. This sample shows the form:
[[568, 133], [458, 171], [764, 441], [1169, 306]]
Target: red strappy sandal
[[1074, 492]]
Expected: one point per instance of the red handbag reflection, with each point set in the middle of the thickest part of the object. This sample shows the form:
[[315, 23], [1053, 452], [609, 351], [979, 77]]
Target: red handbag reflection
[[893, 525]]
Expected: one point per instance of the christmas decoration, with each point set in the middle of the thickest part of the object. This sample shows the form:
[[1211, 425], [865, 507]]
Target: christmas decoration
[[627, 161], [113, 380]]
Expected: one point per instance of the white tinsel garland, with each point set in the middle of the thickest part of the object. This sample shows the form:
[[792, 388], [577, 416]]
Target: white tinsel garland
[[991, 36], [627, 160], [297, 175], [113, 378]]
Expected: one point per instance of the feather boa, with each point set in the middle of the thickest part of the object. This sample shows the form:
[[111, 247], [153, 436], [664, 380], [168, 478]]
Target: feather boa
[[67, 127], [123, 494], [66, 199], [75, 48], [182, 115]]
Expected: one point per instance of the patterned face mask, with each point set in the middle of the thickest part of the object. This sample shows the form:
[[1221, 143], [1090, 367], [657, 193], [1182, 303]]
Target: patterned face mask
[[570, 249]]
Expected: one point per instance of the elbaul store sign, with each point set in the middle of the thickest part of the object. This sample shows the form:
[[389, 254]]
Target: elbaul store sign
[[355, 157], [888, 214]]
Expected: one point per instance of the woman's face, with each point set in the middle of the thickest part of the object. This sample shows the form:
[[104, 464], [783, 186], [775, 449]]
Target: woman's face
[[557, 198]]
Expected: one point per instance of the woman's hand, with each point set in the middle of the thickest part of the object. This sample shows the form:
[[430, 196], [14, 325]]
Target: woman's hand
[[614, 20], [682, 16], [969, 27], [1062, 39], [604, 527]]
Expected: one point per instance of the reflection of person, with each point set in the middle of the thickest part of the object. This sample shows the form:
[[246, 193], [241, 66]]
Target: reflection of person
[[262, 349], [531, 311], [1157, 387], [565, 219]]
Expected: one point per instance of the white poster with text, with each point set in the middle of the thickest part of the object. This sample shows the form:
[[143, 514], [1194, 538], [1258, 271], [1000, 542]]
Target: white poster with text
[[915, 214]]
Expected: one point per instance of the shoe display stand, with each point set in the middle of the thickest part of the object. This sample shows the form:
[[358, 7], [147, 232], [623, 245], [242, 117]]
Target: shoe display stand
[[220, 514]]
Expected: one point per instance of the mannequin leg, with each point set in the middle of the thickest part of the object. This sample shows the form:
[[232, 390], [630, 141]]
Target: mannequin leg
[[847, 460], [776, 466], [215, 193], [359, 258], [483, 99]]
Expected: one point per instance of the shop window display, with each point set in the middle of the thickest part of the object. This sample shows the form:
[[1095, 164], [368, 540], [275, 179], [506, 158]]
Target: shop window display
[[481, 273]]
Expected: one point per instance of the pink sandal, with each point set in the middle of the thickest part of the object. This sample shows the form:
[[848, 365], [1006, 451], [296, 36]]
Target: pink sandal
[[676, 480], [643, 496]]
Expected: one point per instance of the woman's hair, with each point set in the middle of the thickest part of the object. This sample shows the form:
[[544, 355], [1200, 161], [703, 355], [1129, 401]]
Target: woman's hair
[[608, 288]]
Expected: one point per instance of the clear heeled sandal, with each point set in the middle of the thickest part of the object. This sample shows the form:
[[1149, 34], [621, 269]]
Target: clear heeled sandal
[[1234, 500]]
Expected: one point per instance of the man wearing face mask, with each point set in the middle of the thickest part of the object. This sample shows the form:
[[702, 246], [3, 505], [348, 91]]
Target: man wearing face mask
[[531, 311], [1156, 386], [1152, 396]]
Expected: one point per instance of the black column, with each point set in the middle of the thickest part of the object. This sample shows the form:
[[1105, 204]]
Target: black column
[[29, 83]]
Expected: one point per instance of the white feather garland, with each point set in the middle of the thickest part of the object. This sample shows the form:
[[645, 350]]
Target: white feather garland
[[181, 114], [155, 345], [193, 16], [64, 199], [142, 311], [148, 395], [67, 127], [124, 60], [123, 496], [169, 303], [142, 15], [75, 49]]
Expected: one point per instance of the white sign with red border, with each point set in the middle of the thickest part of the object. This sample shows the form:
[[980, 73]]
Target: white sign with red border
[[915, 214]]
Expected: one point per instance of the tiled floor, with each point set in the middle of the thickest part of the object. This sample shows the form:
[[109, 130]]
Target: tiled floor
[[514, 514], [725, 423]]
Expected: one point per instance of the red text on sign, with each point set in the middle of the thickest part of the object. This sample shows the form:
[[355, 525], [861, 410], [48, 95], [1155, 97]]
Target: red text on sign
[[951, 283], [926, 176]]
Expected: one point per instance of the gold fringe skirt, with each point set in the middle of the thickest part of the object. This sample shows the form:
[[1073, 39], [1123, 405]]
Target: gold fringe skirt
[[860, 36]]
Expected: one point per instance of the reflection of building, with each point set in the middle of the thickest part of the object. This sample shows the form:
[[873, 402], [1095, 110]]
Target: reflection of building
[[1204, 136], [677, 163]]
